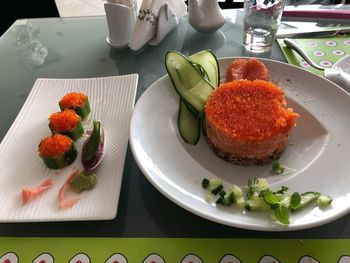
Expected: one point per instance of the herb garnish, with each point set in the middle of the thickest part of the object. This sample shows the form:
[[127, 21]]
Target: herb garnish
[[259, 197], [277, 168]]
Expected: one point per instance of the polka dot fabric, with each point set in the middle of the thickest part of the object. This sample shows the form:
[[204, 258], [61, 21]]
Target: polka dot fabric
[[324, 51]]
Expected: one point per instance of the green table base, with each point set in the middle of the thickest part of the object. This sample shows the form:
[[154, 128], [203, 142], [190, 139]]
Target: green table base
[[176, 250]]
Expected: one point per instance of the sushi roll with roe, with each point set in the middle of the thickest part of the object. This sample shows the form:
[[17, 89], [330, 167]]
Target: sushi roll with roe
[[57, 151], [66, 122], [79, 102]]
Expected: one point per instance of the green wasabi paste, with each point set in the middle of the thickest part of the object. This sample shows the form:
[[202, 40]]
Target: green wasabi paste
[[83, 181]]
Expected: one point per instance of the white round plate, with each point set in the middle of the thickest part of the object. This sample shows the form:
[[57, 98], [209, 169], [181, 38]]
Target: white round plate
[[318, 151], [343, 64]]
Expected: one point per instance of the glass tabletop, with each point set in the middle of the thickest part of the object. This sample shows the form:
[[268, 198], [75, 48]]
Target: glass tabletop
[[76, 48]]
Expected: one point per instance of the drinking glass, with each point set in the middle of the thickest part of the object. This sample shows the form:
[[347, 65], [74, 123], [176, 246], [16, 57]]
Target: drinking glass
[[261, 21]]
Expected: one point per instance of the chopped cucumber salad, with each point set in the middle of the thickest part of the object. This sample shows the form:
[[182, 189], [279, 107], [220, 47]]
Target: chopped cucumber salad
[[259, 197]]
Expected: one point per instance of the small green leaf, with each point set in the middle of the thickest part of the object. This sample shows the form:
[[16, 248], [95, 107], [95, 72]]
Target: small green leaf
[[270, 198], [250, 192], [250, 183], [282, 190], [263, 193], [282, 214], [277, 168], [93, 142], [295, 200]]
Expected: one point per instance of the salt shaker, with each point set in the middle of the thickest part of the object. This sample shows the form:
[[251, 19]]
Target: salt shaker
[[121, 19]]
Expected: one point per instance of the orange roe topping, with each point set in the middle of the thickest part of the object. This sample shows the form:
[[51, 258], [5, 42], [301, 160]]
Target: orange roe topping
[[55, 145], [64, 121], [72, 100], [250, 110], [247, 68]]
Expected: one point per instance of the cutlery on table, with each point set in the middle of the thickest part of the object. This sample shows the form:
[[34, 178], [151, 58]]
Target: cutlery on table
[[337, 75]]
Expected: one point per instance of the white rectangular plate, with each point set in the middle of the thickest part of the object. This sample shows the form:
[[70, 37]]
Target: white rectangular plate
[[112, 100]]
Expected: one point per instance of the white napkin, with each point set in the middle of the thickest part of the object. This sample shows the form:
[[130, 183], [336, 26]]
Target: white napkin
[[155, 20]]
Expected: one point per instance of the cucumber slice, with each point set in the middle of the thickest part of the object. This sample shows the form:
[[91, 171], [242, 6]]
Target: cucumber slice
[[193, 110], [205, 183], [204, 127], [187, 80], [226, 199], [201, 70], [324, 200], [207, 62], [306, 199], [236, 191], [256, 205], [188, 124], [215, 185]]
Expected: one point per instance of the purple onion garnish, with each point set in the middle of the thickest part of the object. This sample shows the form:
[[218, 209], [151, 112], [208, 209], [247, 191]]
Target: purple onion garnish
[[93, 156]]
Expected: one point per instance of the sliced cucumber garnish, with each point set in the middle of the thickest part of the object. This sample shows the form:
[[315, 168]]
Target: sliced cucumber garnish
[[324, 200], [206, 61], [306, 199], [194, 78], [215, 185], [187, 80], [188, 124], [192, 109]]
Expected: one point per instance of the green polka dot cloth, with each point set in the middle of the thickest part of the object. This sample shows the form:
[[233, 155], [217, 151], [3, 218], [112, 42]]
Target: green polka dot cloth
[[324, 51], [172, 250]]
